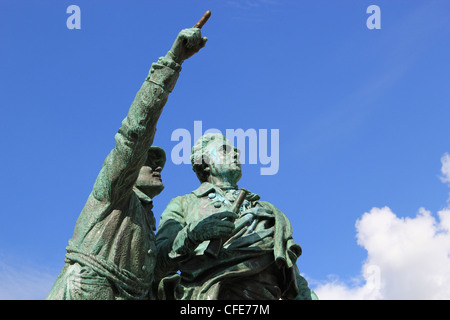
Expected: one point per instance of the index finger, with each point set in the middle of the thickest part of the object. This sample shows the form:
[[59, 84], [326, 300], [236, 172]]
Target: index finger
[[202, 20]]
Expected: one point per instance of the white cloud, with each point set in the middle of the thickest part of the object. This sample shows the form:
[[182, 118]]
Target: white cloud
[[445, 168], [407, 258], [358, 289]]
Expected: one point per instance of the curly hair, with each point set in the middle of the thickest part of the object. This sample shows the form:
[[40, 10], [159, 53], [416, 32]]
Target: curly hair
[[198, 157]]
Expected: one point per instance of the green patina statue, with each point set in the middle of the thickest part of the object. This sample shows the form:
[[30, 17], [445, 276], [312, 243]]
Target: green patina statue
[[214, 243], [256, 257], [112, 252]]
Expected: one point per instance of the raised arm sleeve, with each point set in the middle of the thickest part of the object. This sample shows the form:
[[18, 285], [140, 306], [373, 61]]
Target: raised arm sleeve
[[121, 167]]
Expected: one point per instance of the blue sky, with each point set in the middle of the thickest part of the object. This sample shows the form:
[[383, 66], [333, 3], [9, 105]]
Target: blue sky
[[363, 119]]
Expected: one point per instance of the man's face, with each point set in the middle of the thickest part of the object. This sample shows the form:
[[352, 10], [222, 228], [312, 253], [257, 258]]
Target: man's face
[[149, 180], [223, 160]]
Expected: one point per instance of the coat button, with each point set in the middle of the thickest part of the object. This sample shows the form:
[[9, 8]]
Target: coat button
[[217, 205], [212, 195]]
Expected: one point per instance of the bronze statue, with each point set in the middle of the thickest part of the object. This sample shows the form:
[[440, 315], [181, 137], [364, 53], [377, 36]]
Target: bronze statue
[[206, 251], [217, 242], [112, 252]]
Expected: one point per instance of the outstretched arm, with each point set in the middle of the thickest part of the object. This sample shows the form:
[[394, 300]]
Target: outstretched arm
[[121, 167]]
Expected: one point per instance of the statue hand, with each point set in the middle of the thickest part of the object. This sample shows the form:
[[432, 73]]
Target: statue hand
[[214, 226], [188, 42]]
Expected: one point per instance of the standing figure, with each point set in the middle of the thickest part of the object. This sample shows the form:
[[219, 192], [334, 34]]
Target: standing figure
[[112, 252], [256, 255]]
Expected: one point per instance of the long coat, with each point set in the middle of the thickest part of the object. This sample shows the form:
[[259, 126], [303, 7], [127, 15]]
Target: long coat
[[257, 262]]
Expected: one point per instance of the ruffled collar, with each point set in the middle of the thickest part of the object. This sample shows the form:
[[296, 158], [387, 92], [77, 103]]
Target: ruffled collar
[[206, 188]]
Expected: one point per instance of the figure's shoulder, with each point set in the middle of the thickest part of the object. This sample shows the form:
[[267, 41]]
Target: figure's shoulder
[[276, 211], [175, 201], [269, 205], [180, 201], [177, 208], [183, 198]]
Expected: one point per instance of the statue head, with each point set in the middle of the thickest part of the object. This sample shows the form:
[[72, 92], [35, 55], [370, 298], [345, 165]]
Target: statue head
[[214, 159], [149, 180]]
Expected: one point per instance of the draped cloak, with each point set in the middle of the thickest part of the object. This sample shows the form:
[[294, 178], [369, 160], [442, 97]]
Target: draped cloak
[[257, 262]]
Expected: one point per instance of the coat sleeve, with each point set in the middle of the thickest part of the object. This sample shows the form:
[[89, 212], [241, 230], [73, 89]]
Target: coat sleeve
[[172, 241], [121, 167]]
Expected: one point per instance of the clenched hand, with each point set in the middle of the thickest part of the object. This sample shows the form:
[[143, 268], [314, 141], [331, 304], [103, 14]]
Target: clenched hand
[[215, 226]]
